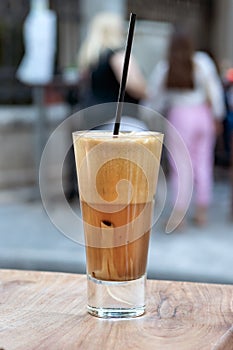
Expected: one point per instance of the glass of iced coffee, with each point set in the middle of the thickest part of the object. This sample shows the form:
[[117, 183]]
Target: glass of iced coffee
[[117, 177]]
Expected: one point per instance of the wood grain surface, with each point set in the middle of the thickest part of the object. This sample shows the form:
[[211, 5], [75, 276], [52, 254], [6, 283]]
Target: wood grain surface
[[43, 310]]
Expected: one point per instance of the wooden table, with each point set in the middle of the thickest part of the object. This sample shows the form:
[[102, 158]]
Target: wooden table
[[43, 310]]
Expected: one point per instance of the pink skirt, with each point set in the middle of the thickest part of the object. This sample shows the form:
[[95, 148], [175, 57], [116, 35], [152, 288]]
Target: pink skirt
[[196, 127]]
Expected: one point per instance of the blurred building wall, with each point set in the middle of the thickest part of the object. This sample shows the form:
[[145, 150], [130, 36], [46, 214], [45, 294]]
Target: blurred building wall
[[211, 21], [89, 8], [68, 28], [222, 41]]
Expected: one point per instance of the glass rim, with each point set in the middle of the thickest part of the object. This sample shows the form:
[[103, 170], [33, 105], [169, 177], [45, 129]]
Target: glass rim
[[122, 134]]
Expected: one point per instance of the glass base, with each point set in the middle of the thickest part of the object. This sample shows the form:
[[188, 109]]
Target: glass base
[[116, 299]]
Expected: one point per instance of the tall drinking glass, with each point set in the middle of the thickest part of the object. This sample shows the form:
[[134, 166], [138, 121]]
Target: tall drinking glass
[[117, 177]]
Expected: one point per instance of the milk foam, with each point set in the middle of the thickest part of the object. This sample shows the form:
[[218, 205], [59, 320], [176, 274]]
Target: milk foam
[[119, 169]]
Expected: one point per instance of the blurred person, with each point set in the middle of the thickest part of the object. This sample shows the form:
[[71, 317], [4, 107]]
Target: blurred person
[[229, 120], [188, 89], [228, 87], [100, 61], [100, 65]]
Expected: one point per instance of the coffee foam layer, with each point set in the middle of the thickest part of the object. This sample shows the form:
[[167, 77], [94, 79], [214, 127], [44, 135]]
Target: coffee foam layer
[[119, 169]]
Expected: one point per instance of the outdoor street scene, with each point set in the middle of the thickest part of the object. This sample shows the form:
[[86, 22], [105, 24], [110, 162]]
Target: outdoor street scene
[[43, 84], [116, 175]]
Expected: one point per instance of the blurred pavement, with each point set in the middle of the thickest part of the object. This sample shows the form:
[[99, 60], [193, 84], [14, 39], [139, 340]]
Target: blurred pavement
[[30, 241]]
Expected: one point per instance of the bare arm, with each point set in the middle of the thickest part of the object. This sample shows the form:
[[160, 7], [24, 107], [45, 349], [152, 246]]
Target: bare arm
[[136, 85]]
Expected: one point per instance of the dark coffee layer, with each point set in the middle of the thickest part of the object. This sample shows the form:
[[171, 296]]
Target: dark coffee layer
[[117, 263]]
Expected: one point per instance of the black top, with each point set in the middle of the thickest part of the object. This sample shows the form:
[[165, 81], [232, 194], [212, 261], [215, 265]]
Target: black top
[[104, 85]]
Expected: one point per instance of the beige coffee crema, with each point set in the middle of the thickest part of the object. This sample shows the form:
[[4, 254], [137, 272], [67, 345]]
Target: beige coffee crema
[[124, 167]]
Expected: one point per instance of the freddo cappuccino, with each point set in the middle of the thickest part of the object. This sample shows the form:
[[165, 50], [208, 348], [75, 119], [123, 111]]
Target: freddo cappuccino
[[117, 181]]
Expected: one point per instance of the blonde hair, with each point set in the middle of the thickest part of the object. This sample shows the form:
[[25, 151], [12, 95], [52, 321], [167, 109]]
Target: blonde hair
[[105, 31]]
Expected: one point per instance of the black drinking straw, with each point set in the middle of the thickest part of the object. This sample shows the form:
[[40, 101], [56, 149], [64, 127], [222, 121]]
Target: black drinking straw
[[124, 74]]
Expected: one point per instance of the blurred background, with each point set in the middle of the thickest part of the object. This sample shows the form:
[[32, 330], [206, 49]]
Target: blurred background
[[32, 106]]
